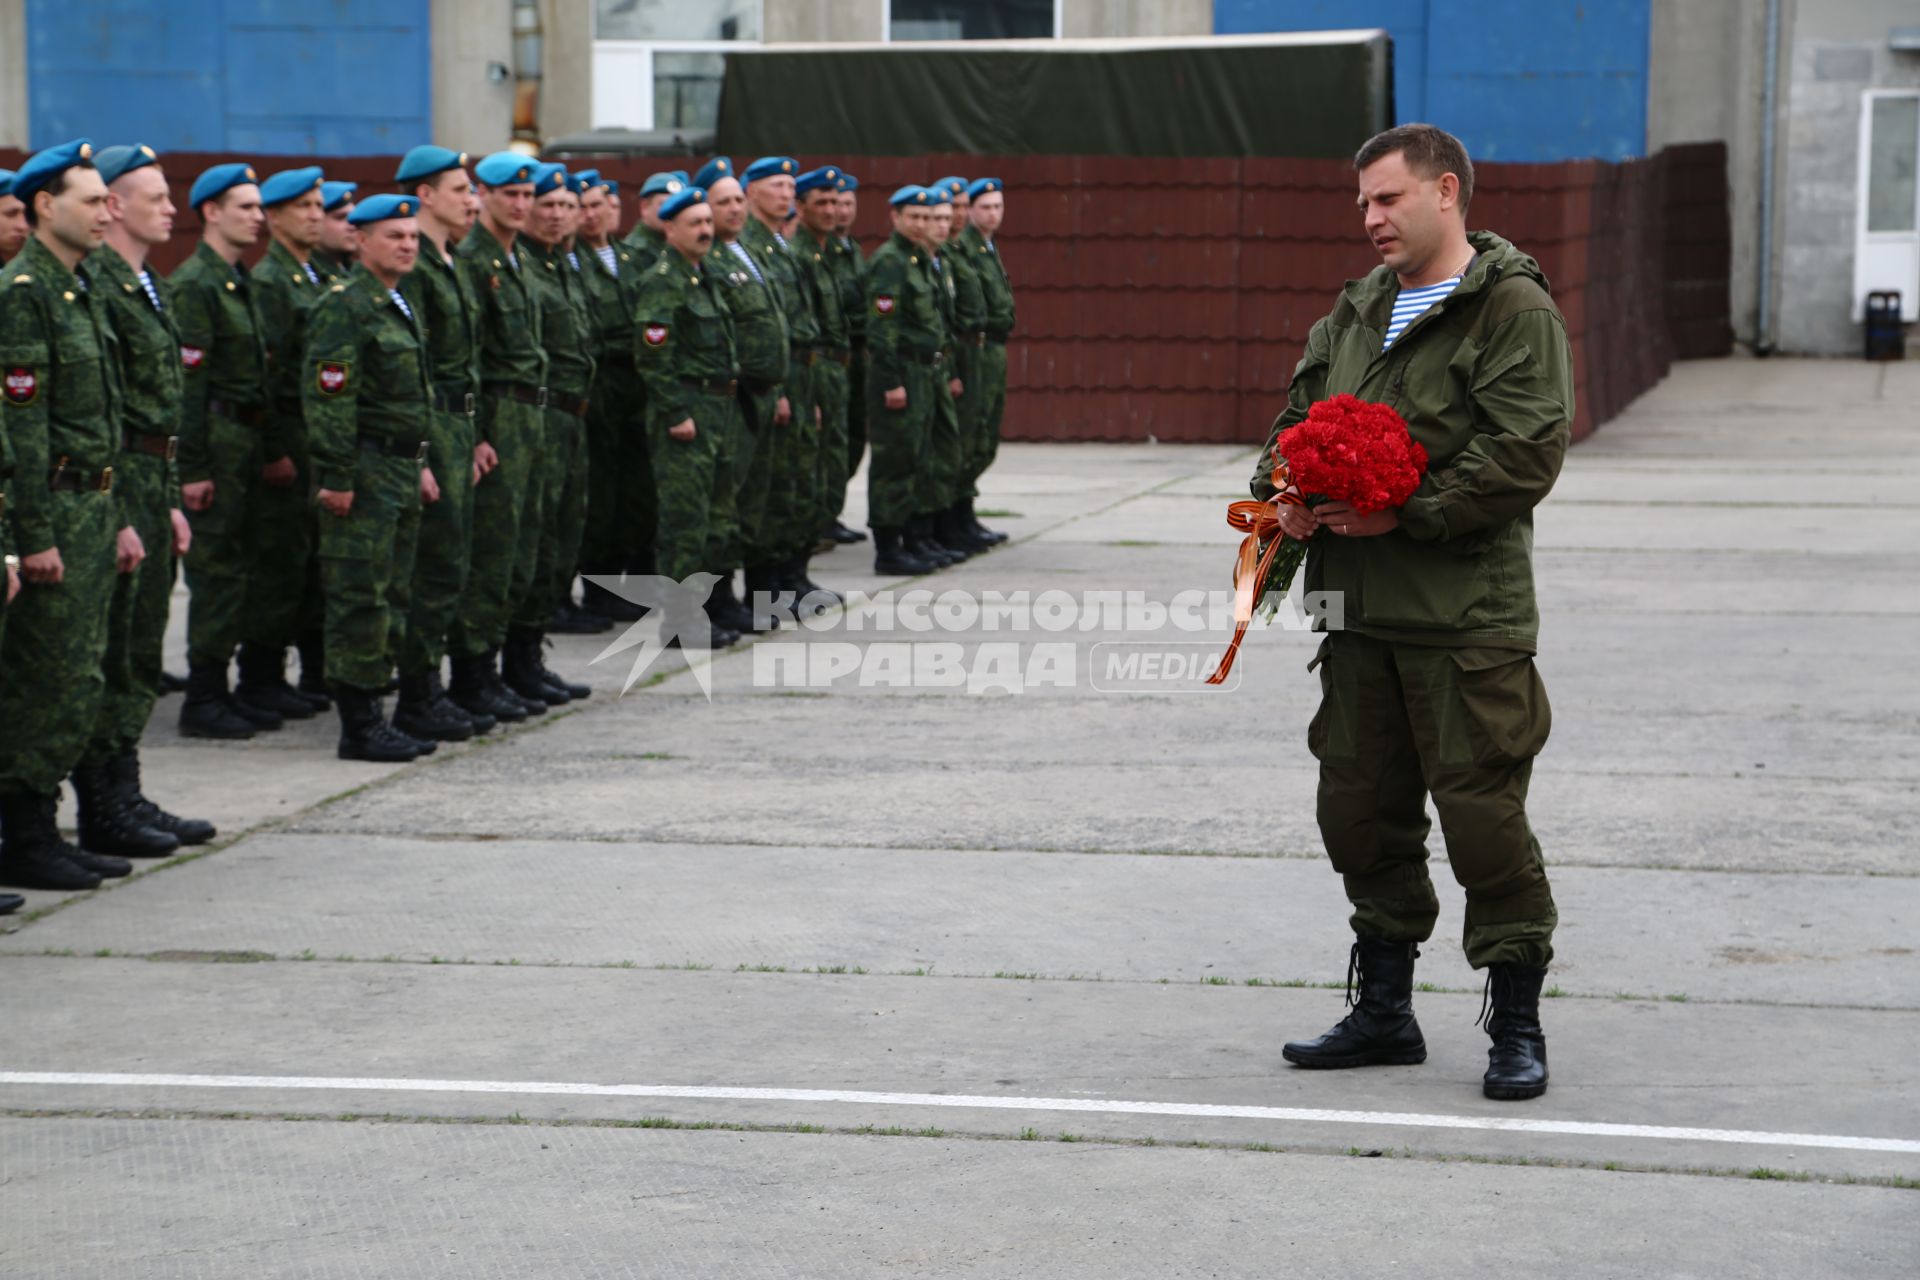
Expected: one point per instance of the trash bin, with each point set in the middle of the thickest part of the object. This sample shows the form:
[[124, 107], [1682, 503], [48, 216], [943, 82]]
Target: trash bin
[[1886, 335]]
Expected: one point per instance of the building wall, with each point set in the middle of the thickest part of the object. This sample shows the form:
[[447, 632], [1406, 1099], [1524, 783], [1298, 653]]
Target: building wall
[[13, 73], [1088, 18], [1516, 80], [471, 112], [811, 21]]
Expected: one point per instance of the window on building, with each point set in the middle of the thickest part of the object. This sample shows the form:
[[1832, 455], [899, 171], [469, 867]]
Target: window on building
[[676, 20], [659, 64], [1887, 231], [686, 89], [970, 19]]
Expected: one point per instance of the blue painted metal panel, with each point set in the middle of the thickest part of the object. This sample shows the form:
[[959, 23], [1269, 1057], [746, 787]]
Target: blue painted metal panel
[[266, 77], [1522, 80]]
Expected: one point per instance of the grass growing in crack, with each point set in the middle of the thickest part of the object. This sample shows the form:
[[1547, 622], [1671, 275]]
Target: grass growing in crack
[[689, 965], [760, 968], [1029, 1135], [1016, 975], [998, 513], [1215, 980]]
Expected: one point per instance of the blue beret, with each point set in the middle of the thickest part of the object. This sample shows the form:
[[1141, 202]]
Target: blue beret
[[43, 167], [771, 167], [381, 207], [980, 186], [681, 201], [6, 182], [712, 171], [217, 181], [585, 180], [613, 188], [955, 187], [847, 182], [426, 160], [549, 178], [910, 194], [666, 184], [937, 195], [290, 184], [504, 169], [822, 179], [114, 162], [335, 194]]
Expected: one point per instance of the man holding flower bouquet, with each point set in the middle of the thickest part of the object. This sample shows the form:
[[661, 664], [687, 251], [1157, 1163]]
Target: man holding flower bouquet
[[1430, 688]]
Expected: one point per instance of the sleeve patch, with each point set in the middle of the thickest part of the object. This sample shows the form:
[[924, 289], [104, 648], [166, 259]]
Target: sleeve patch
[[332, 377], [883, 303], [656, 335], [23, 385], [193, 357]]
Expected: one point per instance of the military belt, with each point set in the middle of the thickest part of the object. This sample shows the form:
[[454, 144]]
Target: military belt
[[415, 449], [65, 479], [712, 386], [567, 402], [456, 402], [801, 354], [536, 396], [153, 445], [758, 386], [975, 337], [931, 357], [247, 415], [839, 355]]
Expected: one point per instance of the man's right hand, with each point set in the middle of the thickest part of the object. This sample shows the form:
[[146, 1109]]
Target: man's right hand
[[682, 431], [197, 496], [336, 502], [43, 568], [897, 398], [1295, 522], [13, 583], [484, 460]]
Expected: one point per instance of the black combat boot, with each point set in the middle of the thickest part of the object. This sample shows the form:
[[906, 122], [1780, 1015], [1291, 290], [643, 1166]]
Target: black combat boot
[[992, 535], [472, 691], [313, 671], [207, 711], [495, 665], [1380, 1030], [957, 531], [126, 775], [844, 536], [1517, 1062], [32, 854], [608, 604], [263, 683], [523, 673], [766, 607], [806, 586], [892, 559], [108, 822], [726, 612], [364, 733], [424, 714], [573, 689], [926, 544], [572, 620]]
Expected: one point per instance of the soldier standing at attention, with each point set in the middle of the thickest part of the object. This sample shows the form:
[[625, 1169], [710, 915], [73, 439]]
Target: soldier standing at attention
[[283, 593], [568, 617], [849, 263], [223, 426], [368, 408], [13, 234], [813, 246], [1430, 689], [443, 301], [114, 816], [510, 431], [904, 373], [760, 345], [62, 416], [953, 523], [13, 220], [566, 337], [648, 236], [988, 207], [684, 349], [620, 500], [939, 475], [338, 244]]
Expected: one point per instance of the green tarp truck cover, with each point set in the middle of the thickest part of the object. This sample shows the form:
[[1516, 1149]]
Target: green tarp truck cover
[[1318, 94]]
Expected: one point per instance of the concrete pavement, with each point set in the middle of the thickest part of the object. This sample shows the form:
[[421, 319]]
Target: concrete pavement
[[469, 1008]]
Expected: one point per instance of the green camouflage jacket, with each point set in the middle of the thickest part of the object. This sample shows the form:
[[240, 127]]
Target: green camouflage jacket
[[283, 292], [147, 346], [442, 296], [996, 289], [904, 321], [961, 265], [611, 296], [777, 258], [816, 266], [566, 317], [682, 331], [365, 377], [221, 351], [849, 263], [759, 319], [509, 319]]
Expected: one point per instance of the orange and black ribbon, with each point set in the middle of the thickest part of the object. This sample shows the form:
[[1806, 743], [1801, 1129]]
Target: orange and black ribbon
[[1260, 521]]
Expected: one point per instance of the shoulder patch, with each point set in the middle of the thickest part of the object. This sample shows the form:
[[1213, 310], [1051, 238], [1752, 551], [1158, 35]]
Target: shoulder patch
[[655, 335], [331, 377], [193, 357], [883, 303], [22, 384]]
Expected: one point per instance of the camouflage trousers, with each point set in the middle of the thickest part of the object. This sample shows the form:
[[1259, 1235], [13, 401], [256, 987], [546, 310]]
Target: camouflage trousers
[[856, 415], [1398, 722], [517, 433], [751, 465], [445, 545], [137, 617], [940, 474], [830, 467], [226, 538], [560, 487], [696, 483], [366, 570], [51, 657], [792, 473], [984, 439], [899, 439], [283, 591], [967, 361], [621, 506]]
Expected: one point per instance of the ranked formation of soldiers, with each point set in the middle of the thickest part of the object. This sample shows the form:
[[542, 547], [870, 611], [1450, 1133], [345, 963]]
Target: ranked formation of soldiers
[[392, 444]]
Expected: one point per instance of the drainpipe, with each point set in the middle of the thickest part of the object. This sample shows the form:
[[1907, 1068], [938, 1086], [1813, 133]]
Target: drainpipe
[[526, 76], [1769, 95]]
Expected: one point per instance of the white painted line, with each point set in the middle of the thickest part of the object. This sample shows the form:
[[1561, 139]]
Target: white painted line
[[858, 1097]]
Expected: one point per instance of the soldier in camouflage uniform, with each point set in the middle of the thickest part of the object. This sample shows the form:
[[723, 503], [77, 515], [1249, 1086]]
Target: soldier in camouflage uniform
[[988, 207], [905, 372], [849, 263], [760, 341], [556, 498], [684, 347], [114, 816], [443, 300], [942, 470], [952, 523], [813, 247], [338, 245], [648, 237], [283, 592], [510, 431], [60, 398], [368, 408], [13, 235], [223, 425], [13, 220]]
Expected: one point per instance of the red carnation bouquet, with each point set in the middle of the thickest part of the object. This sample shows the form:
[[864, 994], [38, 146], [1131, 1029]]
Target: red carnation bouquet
[[1346, 449]]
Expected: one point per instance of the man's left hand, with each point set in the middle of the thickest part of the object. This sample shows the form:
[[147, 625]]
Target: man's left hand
[[1341, 518], [280, 473], [128, 550], [182, 533]]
